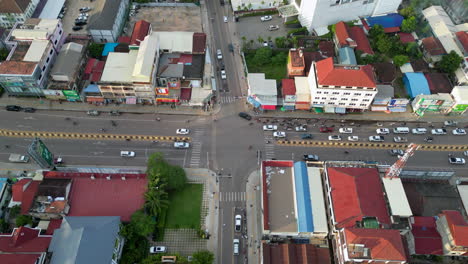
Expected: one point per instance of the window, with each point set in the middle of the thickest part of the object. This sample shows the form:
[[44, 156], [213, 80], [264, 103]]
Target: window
[[352, 104], [369, 94], [60, 32], [336, 93], [322, 103], [342, 103], [344, 99], [346, 93], [48, 59], [51, 51], [317, 98], [362, 104], [366, 100], [357, 94], [40, 76], [43, 68], [319, 92], [55, 42], [354, 99], [330, 103], [325, 92], [333, 98], [324, 98]]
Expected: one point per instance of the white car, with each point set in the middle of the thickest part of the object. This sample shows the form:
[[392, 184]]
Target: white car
[[465, 153], [279, 134], [235, 249], [400, 139], [219, 55], [270, 128], [346, 130], [85, 9], [353, 138], [126, 153], [273, 27], [182, 131], [181, 145], [265, 43], [223, 74], [382, 131], [301, 128], [439, 131], [376, 138], [238, 223], [225, 19], [459, 132], [158, 249], [334, 138], [266, 18], [419, 131], [457, 161]]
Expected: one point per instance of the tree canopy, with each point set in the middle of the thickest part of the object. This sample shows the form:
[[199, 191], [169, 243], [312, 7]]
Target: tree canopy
[[173, 176], [409, 24], [450, 62], [263, 55], [203, 257], [399, 60]]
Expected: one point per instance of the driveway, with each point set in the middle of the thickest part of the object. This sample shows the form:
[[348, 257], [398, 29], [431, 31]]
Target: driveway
[[253, 28]]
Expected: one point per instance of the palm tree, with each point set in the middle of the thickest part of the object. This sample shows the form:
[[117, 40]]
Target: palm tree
[[156, 200], [260, 40]]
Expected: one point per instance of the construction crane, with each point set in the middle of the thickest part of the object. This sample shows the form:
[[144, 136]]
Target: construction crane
[[395, 170]]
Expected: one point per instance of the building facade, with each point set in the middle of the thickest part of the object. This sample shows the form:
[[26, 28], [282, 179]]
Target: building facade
[[107, 26], [16, 11], [244, 5], [453, 229]]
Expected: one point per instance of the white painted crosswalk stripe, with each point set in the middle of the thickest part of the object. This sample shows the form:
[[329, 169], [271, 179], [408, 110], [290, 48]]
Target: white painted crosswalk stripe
[[232, 196]]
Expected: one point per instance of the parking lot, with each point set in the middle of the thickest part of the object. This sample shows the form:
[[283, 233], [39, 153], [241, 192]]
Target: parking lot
[[73, 10], [252, 28], [429, 199], [168, 19]]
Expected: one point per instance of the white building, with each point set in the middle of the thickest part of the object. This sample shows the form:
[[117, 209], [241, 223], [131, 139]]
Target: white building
[[13, 11], [239, 5], [337, 88], [316, 15], [107, 25]]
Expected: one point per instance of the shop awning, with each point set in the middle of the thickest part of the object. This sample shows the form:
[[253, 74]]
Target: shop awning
[[269, 107], [167, 100], [94, 99], [340, 110]]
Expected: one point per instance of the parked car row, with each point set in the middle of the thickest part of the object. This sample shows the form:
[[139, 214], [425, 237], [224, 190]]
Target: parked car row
[[16, 108]]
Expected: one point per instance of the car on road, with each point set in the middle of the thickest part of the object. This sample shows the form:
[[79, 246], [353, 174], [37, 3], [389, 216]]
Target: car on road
[[182, 131], [396, 152], [419, 131], [346, 130], [14, 108], [376, 138], [80, 23], [273, 27], [245, 116], [265, 43], [310, 157], [459, 132], [307, 136], [450, 123], [76, 28], [238, 223], [29, 110], [270, 43], [428, 139], [219, 55], [85, 9], [439, 131], [236, 246], [181, 145], [266, 18], [334, 137], [400, 139], [465, 153], [382, 131], [231, 47], [223, 74], [279, 134], [114, 113], [301, 128], [93, 112], [225, 18], [325, 129], [457, 161], [353, 138], [127, 154], [270, 128], [158, 249]]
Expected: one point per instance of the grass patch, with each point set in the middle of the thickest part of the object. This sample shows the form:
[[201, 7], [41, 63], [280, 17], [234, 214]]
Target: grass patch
[[185, 207], [271, 70]]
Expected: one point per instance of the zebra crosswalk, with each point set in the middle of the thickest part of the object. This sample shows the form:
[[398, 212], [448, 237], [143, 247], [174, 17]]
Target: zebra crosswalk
[[196, 148], [228, 99], [269, 147], [232, 196]]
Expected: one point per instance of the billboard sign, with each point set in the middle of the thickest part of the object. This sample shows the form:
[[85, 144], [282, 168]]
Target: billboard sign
[[41, 154]]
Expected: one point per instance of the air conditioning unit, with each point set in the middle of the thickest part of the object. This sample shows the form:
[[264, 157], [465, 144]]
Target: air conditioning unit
[[123, 178], [108, 178]]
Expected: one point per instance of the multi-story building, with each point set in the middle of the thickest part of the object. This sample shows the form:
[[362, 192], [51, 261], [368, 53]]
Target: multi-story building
[[241, 5], [33, 48], [343, 88], [296, 63], [460, 97], [262, 93], [288, 88], [317, 15], [24, 245], [107, 25], [453, 229], [13, 11], [64, 74]]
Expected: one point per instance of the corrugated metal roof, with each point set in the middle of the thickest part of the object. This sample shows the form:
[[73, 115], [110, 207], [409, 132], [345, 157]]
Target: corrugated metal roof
[[416, 84], [387, 21], [319, 212], [119, 67], [52, 9], [397, 197], [145, 59], [36, 50], [347, 56], [460, 93], [261, 86], [463, 191], [442, 27], [304, 208], [302, 88], [175, 41]]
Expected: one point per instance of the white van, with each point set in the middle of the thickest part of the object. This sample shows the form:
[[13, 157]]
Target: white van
[[236, 246], [401, 130]]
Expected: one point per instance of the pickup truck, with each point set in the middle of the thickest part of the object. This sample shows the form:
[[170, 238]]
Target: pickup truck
[[18, 158]]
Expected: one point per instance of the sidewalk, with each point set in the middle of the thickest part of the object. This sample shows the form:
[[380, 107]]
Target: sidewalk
[[254, 231]]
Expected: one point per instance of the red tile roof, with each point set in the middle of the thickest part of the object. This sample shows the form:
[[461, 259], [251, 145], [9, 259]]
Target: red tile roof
[[406, 37], [101, 197], [140, 31], [288, 86], [124, 39], [458, 227], [433, 46], [342, 34], [361, 39], [310, 57], [185, 58], [427, 239], [328, 74], [383, 244], [327, 48], [199, 43], [438, 82], [295, 254], [28, 196], [462, 36], [391, 29], [18, 189], [357, 193], [53, 224], [24, 239], [19, 258]]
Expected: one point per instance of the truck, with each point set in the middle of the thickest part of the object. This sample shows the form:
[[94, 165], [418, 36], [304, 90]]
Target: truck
[[18, 158]]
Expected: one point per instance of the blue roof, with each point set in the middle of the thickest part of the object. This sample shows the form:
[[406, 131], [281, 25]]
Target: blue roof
[[304, 207], [92, 88], [416, 84], [347, 56], [109, 47], [3, 182], [387, 21]]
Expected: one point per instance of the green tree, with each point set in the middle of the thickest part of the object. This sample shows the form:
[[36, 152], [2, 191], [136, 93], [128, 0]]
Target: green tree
[[3, 54], [260, 39], [23, 220], [95, 50], [399, 60], [409, 24], [14, 211], [412, 50], [156, 198], [203, 257], [263, 56], [142, 224], [281, 42], [4, 226], [294, 41], [152, 259], [450, 62], [376, 31], [407, 12], [384, 45], [279, 59], [174, 176]]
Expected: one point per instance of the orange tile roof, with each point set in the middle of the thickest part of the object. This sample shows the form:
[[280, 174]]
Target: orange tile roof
[[342, 34], [140, 31], [458, 227], [463, 38], [384, 244], [18, 189], [329, 74], [17, 67]]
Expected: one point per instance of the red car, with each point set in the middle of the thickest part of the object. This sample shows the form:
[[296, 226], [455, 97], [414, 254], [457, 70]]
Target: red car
[[326, 129]]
